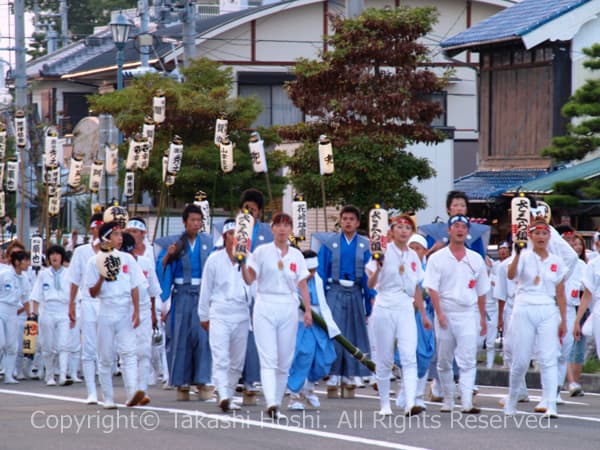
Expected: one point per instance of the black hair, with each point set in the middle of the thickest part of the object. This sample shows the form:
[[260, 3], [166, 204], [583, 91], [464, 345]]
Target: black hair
[[18, 256], [253, 195], [58, 249], [191, 209], [456, 194], [309, 254], [106, 228], [128, 243], [98, 217], [350, 209]]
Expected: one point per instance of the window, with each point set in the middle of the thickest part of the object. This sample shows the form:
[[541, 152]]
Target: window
[[441, 98], [278, 109]]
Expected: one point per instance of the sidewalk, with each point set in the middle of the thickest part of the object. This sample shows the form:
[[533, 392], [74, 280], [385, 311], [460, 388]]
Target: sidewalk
[[499, 377]]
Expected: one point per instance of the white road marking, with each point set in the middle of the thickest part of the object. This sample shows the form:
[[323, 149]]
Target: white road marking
[[225, 418]]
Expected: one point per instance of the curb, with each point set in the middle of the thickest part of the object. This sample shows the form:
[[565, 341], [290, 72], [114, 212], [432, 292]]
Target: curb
[[499, 377]]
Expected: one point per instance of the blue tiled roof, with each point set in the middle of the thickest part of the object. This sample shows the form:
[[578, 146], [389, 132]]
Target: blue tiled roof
[[513, 22], [543, 184], [488, 184]]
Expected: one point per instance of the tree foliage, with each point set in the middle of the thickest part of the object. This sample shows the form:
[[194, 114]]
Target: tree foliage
[[192, 108], [83, 15], [368, 93], [583, 110]]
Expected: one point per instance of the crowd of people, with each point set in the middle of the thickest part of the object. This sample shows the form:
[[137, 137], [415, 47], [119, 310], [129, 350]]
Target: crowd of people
[[200, 318]]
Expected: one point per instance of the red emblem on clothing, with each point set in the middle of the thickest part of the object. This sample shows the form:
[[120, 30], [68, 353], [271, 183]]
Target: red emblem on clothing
[[553, 268], [413, 266], [293, 267], [574, 293], [471, 284], [125, 268], [145, 274]]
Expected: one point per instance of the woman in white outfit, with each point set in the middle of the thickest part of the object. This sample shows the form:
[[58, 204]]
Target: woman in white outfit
[[52, 289], [536, 317], [279, 271], [396, 280]]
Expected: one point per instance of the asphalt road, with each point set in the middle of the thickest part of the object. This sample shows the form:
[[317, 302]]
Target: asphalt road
[[35, 416]]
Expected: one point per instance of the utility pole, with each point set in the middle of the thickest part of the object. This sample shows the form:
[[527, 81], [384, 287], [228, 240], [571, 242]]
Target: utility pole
[[23, 217], [64, 22], [189, 32], [144, 49]]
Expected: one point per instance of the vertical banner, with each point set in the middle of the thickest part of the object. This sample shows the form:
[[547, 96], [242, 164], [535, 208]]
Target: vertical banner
[[220, 130], [168, 179], [111, 159], [257, 153], [2, 141], [51, 147], [54, 203], [96, 170], [74, 178], [12, 175], [129, 186], [36, 251], [133, 154], [1, 175], [144, 155], [159, 104], [299, 218], [20, 129], [2, 204], [175, 156], [520, 219], [226, 147], [202, 203], [148, 131], [244, 226], [325, 155], [378, 231], [52, 175]]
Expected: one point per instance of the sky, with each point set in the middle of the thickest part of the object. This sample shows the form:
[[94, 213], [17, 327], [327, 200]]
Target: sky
[[7, 34]]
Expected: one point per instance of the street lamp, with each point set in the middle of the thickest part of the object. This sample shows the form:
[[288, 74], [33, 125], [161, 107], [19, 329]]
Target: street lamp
[[120, 33]]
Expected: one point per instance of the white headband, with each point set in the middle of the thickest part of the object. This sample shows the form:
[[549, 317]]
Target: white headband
[[312, 263], [136, 224], [228, 227]]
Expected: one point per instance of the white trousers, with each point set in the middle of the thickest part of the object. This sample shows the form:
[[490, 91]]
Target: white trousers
[[491, 310], [567, 345], [458, 341], [398, 326], [115, 328], [534, 326], [89, 351], [143, 337], [275, 327], [228, 348], [8, 338], [55, 329]]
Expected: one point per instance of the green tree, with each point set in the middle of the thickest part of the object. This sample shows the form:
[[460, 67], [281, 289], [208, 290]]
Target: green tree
[[582, 137], [84, 15], [369, 94], [37, 47], [583, 111], [192, 109]]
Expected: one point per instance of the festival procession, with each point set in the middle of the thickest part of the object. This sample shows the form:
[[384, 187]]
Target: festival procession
[[406, 228], [242, 316]]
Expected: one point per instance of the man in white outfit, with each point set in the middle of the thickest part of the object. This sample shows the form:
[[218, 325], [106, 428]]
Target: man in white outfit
[[149, 290], [457, 280], [89, 308], [51, 290], [224, 312], [118, 315]]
